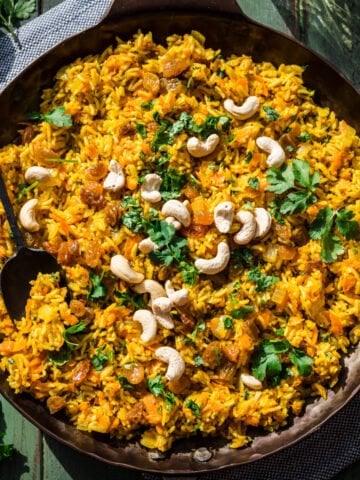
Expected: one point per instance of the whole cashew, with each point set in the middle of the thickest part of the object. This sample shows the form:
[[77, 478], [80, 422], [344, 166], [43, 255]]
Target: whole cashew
[[177, 297], [246, 110], [150, 188], [198, 148], [27, 216], [161, 308], [147, 245], [248, 229], [250, 381], [173, 221], [216, 264], [223, 216], [155, 289], [263, 222], [121, 268], [148, 323], [277, 154], [176, 209], [36, 173], [176, 365], [116, 178]]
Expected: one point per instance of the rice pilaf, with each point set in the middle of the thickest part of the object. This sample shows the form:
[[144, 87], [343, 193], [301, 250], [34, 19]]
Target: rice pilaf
[[256, 338]]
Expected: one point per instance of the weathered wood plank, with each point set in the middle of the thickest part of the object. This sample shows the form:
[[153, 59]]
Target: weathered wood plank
[[26, 463]]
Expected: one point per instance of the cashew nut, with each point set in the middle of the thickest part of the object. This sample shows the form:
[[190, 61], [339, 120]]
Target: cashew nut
[[176, 209], [223, 216], [116, 178], [155, 289], [150, 188], [271, 146], [27, 216], [121, 268], [161, 307], [148, 323], [176, 365], [147, 245], [173, 221], [217, 264], [263, 222], [36, 173], [198, 148], [250, 381], [246, 110], [248, 229], [177, 297]]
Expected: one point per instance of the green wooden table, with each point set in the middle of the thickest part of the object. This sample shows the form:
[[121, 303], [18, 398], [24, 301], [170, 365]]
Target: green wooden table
[[328, 26]]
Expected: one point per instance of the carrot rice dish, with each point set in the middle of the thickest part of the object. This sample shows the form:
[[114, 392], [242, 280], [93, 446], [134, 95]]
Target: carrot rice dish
[[205, 211]]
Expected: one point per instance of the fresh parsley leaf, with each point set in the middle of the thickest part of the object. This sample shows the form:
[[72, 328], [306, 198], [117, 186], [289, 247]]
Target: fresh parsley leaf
[[156, 387], [221, 73], [263, 282], [242, 312], [304, 137], [98, 289], [331, 248], [248, 158], [189, 273], [133, 220], [290, 148], [297, 202], [280, 179], [302, 361], [266, 362], [100, 359], [321, 229], [279, 331], [228, 323], [242, 257], [161, 232], [78, 328], [60, 357], [172, 183], [141, 130], [170, 399], [271, 113], [323, 223], [302, 174], [198, 361], [124, 382], [254, 183], [347, 227], [11, 11], [130, 298], [57, 117], [275, 206], [194, 407], [199, 327], [147, 105]]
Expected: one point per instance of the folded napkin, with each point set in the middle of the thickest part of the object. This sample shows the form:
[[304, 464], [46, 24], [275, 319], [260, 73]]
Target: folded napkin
[[322, 454]]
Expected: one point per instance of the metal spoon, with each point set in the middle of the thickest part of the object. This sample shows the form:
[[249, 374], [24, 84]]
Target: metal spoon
[[23, 266]]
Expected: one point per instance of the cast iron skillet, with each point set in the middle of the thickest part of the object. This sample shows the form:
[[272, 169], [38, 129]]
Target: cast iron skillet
[[225, 27]]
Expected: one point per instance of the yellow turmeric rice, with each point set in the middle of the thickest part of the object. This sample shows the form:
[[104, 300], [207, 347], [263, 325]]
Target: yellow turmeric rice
[[255, 329]]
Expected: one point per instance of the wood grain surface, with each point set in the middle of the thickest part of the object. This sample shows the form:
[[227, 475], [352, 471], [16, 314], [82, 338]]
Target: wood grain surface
[[330, 27]]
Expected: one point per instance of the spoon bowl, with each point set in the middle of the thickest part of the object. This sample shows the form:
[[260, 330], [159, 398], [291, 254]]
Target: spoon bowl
[[23, 266]]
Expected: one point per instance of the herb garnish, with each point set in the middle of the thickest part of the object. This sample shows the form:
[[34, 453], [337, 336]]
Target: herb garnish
[[194, 407], [322, 229], [57, 117], [271, 113], [100, 359], [156, 387], [263, 282], [147, 105], [297, 178], [248, 158], [254, 183], [266, 362], [62, 356], [304, 137], [126, 385], [98, 289], [242, 312], [242, 257], [24, 189], [198, 361], [228, 323], [129, 298], [141, 130], [12, 11]]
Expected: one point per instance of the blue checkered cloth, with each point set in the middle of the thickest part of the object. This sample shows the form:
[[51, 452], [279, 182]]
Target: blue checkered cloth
[[322, 454]]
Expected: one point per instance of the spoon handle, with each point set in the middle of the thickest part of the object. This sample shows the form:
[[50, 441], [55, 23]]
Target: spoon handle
[[10, 215]]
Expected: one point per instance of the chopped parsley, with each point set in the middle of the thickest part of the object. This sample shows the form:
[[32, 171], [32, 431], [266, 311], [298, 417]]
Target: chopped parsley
[[199, 327], [304, 137], [62, 356], [295, 177], [221, 73], [194, 407], [141, 130], [156, 387], [254, 183], [248, 158], [147, 105], [242, 312], [262, 282], [57, 117], [130, 298], [271, 114], [98, 289], [322, 228], [228, 323], [198, 361], [133, 217], [242, 257], [100, 359], [124, 382], [78, 328]]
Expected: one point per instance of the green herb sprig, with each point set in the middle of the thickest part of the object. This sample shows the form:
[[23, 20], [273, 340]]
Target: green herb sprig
[[156, 387], [13, 11], [57, 117]]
